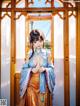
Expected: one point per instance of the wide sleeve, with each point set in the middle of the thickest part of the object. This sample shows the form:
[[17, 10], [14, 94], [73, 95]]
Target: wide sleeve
[[25, 75], [50, 73]]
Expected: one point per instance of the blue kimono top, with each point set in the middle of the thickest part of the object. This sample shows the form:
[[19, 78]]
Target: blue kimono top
[[49, 76]]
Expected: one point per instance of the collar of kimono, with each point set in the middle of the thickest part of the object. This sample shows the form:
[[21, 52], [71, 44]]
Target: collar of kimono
[[37, 51]]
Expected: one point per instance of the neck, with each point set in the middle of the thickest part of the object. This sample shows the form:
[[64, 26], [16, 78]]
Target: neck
[[37, 50]]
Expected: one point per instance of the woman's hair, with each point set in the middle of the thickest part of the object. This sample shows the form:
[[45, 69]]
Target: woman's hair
[[35, 35]]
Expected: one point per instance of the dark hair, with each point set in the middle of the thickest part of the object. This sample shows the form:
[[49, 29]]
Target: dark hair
[[34, 36]]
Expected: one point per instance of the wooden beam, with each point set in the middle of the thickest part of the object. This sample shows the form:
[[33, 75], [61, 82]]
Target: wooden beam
[[36, 18], [66, 60], [78, 56], [6, 0], [13, 54], [52, 3], [26, 3], [39, 10]]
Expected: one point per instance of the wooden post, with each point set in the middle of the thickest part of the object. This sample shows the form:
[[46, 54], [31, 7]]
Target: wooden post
[[26, 36], [26, 3], [52, 3], [78, 56], [66, 59], [0, 48], [52, 38], [13, 54]]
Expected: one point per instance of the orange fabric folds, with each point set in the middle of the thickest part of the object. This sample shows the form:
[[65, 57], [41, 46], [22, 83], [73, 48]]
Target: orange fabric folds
[[33, 95]]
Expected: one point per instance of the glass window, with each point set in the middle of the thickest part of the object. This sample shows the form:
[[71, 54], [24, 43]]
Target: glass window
[[20, 42], [5, 3], [58, 61], [45, 27], [58, 3], [5, 58], [40, 4], [72, 59], [20, 4]]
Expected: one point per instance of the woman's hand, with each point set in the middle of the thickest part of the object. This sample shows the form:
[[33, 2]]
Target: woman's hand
[[38, 61], [42, 69], [36, 69]]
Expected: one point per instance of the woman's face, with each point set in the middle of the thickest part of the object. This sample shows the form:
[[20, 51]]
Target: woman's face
[[38, 44]]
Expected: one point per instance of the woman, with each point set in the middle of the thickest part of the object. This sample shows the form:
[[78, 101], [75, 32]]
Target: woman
[[37, 75]]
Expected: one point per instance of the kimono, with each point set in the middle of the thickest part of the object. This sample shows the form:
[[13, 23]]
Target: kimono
[[45, 78]]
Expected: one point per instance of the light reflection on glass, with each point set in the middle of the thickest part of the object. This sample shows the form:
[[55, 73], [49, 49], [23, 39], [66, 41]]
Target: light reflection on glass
[[5, 58], [72, 60], [58, 61]]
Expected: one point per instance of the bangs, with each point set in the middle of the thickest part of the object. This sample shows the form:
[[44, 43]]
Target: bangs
[[35, 38], [38, 38]]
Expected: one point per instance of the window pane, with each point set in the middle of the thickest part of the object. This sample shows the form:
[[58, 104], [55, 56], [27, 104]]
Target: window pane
[[72, 60], [20, 4], [5, 3], [58, 61], [58, 3], [40, 3], [5, 58], [43, 26], [20, 42]]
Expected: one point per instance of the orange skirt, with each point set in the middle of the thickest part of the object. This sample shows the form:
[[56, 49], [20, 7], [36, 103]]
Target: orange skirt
[[33, 96]]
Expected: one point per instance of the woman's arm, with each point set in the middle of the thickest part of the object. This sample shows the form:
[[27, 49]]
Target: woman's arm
[[49, 63]]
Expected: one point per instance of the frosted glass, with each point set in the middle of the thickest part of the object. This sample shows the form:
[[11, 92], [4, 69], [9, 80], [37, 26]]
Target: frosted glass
[[58, 62], [5, 58], [72, 60], [20, 42]]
